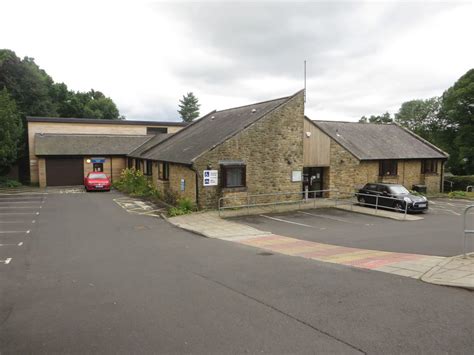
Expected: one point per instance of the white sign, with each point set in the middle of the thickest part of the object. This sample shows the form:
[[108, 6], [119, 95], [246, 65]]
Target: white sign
[[210, 178], [296, 175]]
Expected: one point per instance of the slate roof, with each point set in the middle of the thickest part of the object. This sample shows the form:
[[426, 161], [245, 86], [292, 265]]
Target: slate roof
[[149, 144], [99, 121], [209, 131], [370, 141], [87, 144]]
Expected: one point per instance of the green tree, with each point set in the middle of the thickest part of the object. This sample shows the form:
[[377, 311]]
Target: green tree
[[11, 132], [384, 118], [457, 109], [422, 117], [189, 107]]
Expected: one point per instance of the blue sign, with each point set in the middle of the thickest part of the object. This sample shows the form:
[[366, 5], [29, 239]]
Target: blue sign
[[98, 160]]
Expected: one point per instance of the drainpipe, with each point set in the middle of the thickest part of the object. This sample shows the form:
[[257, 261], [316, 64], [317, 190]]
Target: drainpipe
[[196, 172]]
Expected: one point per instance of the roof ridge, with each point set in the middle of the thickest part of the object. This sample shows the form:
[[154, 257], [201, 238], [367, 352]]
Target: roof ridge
[[180, 131], [287, 99]]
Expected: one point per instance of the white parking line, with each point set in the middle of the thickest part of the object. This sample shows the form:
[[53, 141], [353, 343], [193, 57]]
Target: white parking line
[[13, 232], [6, 261], [18, 245], [18, 213], [284, 220], [20, 207], [12, 202], [329, 217]]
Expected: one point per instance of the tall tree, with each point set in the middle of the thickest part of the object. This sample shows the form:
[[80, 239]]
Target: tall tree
[[189, 107], [10, 132], [422, 117], [457, 109], [384, 118]]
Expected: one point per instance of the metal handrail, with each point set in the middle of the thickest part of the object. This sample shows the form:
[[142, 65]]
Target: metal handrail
[[466, 231], [451, 183], [469, 187], [377, 205], [249, 197]]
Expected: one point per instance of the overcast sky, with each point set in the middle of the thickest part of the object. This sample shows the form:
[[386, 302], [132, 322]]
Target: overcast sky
[[363, 57]]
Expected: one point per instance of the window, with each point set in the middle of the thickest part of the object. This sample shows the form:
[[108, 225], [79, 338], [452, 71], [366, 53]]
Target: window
[[137, 164], [130, 163], [156, 130], [388, 168], [429, 166], [148, 167], [233, 175], [165, 171], [98, 167]]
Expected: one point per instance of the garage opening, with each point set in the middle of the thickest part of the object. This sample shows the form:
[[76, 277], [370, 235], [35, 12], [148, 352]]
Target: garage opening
[[64, 171]]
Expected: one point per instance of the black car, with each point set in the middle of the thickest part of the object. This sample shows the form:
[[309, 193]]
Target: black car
[[393, 196]]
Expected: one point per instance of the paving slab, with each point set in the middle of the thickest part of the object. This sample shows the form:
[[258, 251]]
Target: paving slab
[[455, 271]]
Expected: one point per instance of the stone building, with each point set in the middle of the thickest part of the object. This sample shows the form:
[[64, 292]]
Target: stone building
[[347, 155], [231, 153]]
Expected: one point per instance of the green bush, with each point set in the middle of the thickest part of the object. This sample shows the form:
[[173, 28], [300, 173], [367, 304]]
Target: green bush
[[6, 182], [133, 182], [460, 183], [457, 194], [184, 206]]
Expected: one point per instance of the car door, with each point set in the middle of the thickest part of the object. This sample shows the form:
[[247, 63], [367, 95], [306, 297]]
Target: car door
[[384, 196], [371, 192]]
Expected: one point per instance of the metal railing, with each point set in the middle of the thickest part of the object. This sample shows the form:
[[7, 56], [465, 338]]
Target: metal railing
[[469, 187], [451, 183], [397, 205], [467, 232], [248, 201]]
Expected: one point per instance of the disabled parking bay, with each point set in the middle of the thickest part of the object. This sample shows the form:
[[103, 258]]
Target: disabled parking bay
[[438, 233]]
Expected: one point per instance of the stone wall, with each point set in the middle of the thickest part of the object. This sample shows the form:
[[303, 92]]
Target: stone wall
[[271, 148], [347, 173], [179, 173]]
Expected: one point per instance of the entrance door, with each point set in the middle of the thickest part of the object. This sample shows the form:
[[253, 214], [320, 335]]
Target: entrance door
[[64, 171], [313, 178]]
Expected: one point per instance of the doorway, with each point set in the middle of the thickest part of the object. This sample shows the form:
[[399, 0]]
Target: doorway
[[313, 179]]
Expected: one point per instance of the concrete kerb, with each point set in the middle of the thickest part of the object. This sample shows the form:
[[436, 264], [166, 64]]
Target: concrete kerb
[[379, 213], [437, 274]]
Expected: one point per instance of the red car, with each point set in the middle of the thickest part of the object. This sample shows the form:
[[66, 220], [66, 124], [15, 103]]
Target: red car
[[97, 181]]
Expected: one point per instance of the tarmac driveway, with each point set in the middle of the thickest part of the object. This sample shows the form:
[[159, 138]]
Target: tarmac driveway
[[439, 233]]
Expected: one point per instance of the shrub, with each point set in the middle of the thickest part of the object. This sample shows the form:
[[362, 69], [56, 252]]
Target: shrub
[[457, 194], [6, 182], [184, 206], [461, 182], [134, 183]]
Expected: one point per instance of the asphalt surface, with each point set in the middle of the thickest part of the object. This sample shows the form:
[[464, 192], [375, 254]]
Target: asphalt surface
[[94, 278], [439, 233]]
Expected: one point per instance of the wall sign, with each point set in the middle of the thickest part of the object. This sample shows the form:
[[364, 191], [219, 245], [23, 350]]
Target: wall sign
[[210, 177], [296, 175], [183, 185], [98, 160]]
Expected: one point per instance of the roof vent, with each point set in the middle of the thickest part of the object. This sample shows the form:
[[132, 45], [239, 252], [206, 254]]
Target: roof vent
[[254, 110]]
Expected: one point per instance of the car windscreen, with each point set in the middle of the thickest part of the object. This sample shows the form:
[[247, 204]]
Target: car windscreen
[[97, 176], [398, 190]]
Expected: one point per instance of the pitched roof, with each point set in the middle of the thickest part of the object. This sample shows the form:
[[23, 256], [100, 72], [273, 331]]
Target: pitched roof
[[99, 121], [149, 144], [87, 144], [209, 131], [371, 141]]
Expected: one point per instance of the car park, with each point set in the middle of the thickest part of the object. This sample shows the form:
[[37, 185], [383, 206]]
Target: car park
[[391, 196], [97, 181]]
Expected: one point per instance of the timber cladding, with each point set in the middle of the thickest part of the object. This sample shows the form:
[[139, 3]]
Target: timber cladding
[[271, 148], [316, 146]]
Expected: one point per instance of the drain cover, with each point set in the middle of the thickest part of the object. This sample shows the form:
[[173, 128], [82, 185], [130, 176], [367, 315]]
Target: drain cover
[[265, 253]]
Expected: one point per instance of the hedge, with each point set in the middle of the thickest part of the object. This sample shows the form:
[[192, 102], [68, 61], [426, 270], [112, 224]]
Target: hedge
[[460, 183]]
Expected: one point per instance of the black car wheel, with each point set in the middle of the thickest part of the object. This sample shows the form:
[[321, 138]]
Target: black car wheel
[[399, 206]]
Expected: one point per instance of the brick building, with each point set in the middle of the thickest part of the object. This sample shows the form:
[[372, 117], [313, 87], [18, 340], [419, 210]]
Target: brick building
[[63, 150]]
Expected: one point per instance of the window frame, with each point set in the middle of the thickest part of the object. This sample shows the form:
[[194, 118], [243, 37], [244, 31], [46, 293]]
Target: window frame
[[148, 168], [388, 167], [156, 130], [429, 166], [243, 176], [164, 173]]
